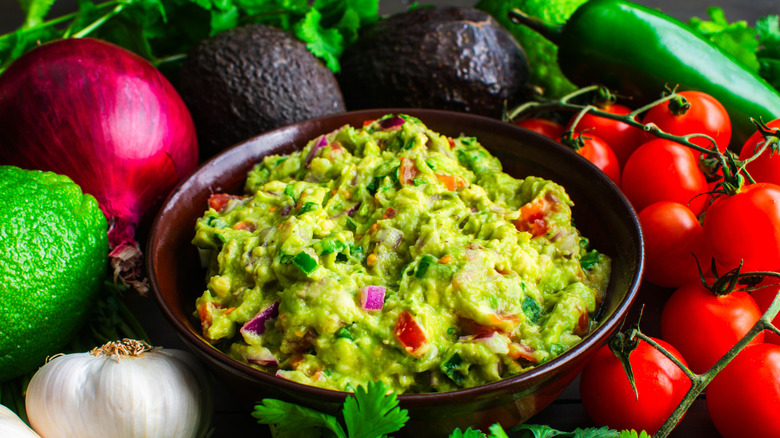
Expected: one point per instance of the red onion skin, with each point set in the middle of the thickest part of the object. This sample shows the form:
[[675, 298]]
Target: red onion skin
[[106, 118]]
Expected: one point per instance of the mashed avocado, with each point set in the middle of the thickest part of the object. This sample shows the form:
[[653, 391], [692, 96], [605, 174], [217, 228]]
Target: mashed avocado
[[391, 252]]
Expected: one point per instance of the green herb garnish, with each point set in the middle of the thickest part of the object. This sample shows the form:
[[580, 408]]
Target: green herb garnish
[[163, 31]]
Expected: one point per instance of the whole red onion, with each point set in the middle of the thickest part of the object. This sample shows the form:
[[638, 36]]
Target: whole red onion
[[108, 119]]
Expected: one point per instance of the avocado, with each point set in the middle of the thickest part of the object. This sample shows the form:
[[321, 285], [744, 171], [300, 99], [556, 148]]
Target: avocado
[[451, 58], [252, 79]]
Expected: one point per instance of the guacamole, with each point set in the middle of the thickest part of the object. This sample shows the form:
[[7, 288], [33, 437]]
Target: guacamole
[[391, 252]]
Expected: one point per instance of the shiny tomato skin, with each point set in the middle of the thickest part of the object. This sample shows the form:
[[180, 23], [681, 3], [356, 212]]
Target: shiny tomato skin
[[766, 167], [662, 170], [745, 226], [620, 136], [703, 326], [609, 400], [546, 127], [674, 240], [598, 152], [743, 398], [705, 116]]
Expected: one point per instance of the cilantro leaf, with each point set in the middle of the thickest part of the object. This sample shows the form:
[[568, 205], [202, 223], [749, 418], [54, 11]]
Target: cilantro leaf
[[291, 420], [544, 431], [634, 434], [373, 412], [768, 29], [468, 433], [324, 43], [737, 38], [496, 431], [35, 11]]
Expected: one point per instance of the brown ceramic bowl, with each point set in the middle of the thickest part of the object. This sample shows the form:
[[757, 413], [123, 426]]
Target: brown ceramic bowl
[[600, 212]]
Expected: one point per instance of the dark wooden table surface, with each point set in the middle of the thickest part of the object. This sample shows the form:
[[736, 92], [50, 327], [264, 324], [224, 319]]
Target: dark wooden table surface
[[566, 413]]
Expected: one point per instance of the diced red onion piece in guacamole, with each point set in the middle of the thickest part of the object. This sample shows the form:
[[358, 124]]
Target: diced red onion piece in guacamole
[[372, 297], [256, 325], [353, 209], [391, 122], [261, 356], [321, 142]]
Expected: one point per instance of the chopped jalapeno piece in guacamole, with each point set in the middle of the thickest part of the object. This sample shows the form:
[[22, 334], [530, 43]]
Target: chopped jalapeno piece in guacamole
[[389, 252]]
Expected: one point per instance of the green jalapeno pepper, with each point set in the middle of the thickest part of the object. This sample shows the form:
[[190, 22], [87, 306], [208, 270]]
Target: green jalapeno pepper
[[640, 51]]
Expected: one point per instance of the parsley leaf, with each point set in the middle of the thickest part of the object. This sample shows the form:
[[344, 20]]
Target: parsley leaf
[[291, 420], [373, 413]]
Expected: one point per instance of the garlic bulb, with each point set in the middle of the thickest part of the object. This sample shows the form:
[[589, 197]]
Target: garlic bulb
[[11, 426], [122, 389]]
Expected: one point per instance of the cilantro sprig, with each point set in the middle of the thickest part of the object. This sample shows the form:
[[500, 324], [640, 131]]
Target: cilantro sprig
[[374, 412], [370, 413], [757, 48], [163, 31]]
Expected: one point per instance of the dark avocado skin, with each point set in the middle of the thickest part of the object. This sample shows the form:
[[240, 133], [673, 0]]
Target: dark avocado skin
[[448, 58], [252, 79]]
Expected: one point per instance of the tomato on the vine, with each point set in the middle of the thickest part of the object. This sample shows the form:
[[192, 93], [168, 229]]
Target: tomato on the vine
[[546, 127], [745, 226], [766, 167], [662, 170], [703, 326], [743, 398], [674, 241], [621, 137], [609, 400], [598, 152], [705, 115]]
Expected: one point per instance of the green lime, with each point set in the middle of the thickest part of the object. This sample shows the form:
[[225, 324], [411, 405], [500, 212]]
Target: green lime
[[53, 257], [542, 54]]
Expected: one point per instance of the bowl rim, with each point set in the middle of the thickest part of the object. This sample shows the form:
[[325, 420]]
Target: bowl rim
[[593, 340]]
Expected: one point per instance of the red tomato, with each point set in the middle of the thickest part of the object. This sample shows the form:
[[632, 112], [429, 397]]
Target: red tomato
[[746, 226], [743, 398], [662, 170], [609, 400], [598, 152], [409, 333], [704, 326], [763, 298], [546, 127], [219, 201], [766, 167], [704, 116], [673, 236], [621, 137]]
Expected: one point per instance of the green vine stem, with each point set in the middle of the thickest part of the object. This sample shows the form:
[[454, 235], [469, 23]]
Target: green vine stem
[[700, 381], [734, 173]]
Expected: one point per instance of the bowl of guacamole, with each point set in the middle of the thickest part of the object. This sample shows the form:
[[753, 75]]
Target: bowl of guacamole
[[469, 265]]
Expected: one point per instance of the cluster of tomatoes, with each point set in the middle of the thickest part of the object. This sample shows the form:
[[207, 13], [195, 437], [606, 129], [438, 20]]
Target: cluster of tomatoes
[[701, 217]]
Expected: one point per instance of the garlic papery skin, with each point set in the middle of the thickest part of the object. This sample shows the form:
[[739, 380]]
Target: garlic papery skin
[[124, 389], [11, 426]]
